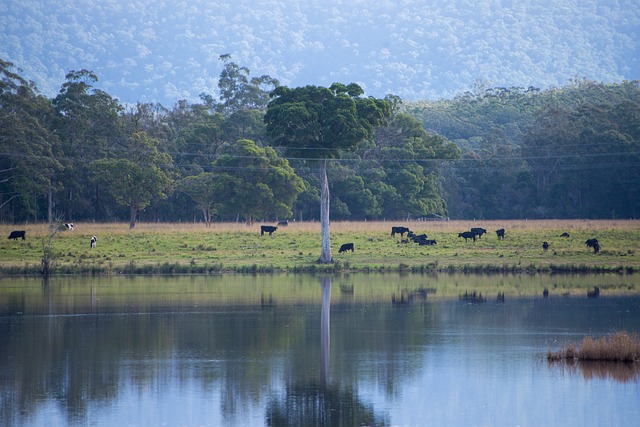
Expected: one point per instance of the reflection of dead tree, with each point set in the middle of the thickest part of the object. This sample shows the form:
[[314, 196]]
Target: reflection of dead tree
[[325, 327], [321, 403]]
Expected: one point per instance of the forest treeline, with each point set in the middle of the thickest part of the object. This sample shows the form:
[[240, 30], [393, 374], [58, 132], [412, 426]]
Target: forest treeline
[[570, 152]]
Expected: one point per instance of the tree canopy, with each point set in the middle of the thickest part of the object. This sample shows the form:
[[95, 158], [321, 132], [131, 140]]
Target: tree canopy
[[569, 152], [321, 123]]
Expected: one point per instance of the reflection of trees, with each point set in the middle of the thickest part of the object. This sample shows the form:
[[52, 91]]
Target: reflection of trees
[[132, 336], [321, 405], [325, 403]]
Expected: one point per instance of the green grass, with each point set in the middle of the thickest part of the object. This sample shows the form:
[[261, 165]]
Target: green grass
[[195, 249]]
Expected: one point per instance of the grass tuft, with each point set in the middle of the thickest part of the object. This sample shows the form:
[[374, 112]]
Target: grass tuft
[[618, 347]]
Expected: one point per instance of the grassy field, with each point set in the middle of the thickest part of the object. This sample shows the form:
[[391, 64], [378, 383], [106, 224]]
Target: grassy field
[[232, 247]]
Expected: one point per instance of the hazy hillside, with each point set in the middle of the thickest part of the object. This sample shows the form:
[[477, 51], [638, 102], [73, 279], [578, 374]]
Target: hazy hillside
[[165, 50]]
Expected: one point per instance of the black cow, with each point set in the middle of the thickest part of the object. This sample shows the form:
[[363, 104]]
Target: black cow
[[283, 223], [479, 231], [545, 246], [426, 242], [591, 243], [500, 233], [595, 293], [16, 234], [468, 235], [565, 234], [346, 247], [267, 229], [400, 230], [92, 244], [417, 238], [596, 248]]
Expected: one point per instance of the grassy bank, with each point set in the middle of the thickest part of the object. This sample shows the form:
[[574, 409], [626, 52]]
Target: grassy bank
[[231, 247]]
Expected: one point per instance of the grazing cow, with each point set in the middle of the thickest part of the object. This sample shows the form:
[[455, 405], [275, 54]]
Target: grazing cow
[[591, 242], [595, 293], [500, 233], [267, 229], [283, 223], [545, 246], [596, 248], [346, 247], [16, 234], [565, 234], [468, 235], [69, 226], [479, 231], [94, 239], [400, 230]]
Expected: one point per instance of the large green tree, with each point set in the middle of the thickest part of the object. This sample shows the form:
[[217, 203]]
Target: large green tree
[[204, 190], [29, 149], [90, 126], [408, 159], [320, 123], [135, 179], [255, 182]]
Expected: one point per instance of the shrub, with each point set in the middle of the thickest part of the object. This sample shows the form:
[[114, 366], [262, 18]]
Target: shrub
[[618, 347]]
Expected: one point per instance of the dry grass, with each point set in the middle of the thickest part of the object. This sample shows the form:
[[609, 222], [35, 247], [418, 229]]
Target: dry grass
[[41, 229], [618, 347]]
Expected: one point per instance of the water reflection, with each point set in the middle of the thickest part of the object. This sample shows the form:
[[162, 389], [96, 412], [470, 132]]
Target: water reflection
[[323, 403], [279, 350], [618, 371]]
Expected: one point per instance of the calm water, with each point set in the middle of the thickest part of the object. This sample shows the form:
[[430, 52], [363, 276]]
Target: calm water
[[303, 350]]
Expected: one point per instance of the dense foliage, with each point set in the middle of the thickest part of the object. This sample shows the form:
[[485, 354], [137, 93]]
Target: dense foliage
[[165, 50], [569, 152], [516, 153]]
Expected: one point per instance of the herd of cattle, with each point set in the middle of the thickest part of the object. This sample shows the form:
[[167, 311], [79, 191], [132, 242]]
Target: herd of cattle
[[420, 239], [476, 233], [423, 240]]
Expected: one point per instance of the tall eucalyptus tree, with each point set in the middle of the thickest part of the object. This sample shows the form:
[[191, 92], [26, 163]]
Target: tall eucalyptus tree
[[29, 149], [319, 123]]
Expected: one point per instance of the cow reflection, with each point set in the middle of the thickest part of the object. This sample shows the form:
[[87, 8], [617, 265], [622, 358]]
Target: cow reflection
[[321, 403]]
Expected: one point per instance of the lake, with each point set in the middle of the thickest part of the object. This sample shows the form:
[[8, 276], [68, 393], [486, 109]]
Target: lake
[[284, 349]]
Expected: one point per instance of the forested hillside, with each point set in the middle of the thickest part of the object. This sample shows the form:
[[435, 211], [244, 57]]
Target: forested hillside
[[165, 51], [569, 152]]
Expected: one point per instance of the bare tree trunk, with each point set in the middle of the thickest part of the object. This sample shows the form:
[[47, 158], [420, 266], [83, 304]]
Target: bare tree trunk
[[325, 255]]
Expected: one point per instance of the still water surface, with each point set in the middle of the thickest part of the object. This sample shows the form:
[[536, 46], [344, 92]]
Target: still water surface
[[298, 350]]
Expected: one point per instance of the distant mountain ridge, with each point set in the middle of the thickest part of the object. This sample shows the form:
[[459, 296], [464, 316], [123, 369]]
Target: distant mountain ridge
[[167, 50]]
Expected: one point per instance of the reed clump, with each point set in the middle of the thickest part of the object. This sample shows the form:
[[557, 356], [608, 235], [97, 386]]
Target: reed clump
[[617, 347]]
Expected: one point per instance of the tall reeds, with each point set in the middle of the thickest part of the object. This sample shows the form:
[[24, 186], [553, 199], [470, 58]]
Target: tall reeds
[[617, 347]]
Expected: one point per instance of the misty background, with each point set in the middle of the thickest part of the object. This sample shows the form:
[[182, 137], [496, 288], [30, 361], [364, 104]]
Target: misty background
[[164, 51]]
